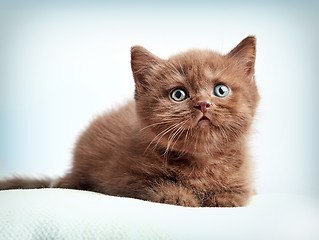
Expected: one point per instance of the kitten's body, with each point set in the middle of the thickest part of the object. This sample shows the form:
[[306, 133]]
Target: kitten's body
[[190, 153]]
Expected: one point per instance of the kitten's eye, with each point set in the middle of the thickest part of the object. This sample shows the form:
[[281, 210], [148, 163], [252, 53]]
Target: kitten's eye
[[178, 95], [221, 91]]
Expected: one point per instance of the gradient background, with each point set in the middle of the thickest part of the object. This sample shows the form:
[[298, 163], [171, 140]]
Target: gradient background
[[64, 62]]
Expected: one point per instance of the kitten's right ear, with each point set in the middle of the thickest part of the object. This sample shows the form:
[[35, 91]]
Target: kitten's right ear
[[142, 63]]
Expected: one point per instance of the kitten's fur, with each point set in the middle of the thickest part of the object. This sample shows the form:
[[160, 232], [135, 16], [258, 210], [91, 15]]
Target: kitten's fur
[[156, 149]]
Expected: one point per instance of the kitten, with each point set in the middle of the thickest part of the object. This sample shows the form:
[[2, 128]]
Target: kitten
[[183, 140]]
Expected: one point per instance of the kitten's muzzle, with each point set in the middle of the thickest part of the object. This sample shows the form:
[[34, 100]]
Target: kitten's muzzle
[[203, 118]]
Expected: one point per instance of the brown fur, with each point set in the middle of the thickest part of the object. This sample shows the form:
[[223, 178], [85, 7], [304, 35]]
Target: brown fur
[[154, 149]]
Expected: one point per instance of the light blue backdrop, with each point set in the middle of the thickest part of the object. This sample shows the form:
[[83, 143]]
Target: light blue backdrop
[[62, 63]]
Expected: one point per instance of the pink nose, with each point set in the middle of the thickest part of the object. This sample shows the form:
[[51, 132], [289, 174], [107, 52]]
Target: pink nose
[[203, 106]]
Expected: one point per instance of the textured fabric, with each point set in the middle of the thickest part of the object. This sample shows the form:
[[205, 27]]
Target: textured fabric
[[71, 214]]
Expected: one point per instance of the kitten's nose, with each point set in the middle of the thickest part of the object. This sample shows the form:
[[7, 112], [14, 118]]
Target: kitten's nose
[[203, 106]]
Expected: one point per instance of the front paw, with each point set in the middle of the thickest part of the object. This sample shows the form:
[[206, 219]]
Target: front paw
[[174, 195], [226, 199]]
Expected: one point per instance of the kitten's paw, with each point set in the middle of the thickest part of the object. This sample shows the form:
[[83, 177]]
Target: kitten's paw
[[226, 200], [179, 200], [174, 195]]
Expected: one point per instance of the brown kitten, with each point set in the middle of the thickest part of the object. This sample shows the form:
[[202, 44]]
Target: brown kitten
[[183, 140]]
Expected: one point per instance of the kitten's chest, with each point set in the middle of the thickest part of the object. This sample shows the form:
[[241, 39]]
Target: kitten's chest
[[205, 177]]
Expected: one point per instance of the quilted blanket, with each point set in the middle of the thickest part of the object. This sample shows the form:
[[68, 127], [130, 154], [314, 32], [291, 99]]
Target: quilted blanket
[[71, 214]]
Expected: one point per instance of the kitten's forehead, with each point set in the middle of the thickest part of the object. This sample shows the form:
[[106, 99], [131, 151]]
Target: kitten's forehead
[[199, 66], [197, 57]]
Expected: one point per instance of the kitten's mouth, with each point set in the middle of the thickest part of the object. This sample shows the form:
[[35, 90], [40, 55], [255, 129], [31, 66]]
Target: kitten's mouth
[[203, 118], [204, 121]]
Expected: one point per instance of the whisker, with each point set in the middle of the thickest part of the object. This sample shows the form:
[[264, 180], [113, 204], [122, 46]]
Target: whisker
[[221, 71], [164, 121], [177, 134], [195, 148], [180, 66], [174, 70], [162, 134]]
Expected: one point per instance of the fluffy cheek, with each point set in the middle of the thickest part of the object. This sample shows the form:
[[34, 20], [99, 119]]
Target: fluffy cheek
[[167, 113], [232, 119], [159, 114]]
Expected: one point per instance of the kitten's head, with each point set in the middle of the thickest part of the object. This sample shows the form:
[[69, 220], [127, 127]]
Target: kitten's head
[[197, 100]]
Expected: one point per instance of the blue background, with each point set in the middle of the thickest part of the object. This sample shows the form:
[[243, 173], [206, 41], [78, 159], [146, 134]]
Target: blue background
[[64, 62]]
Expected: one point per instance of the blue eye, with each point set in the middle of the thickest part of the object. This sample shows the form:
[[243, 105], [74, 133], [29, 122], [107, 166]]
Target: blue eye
[[178, 95], [221, 91]]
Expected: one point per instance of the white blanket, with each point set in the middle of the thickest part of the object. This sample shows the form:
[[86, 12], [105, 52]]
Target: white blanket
[[71, 214]]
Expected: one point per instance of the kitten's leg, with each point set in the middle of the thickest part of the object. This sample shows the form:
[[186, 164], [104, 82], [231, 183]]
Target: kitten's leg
[[227, 199], [172, 193]]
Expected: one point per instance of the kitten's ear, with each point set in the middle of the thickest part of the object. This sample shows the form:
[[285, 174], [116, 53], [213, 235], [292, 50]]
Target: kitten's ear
[[142, 63], [245, 54]]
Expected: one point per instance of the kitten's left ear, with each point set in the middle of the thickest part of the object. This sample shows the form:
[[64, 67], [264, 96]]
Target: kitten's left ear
[[245, 54]]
